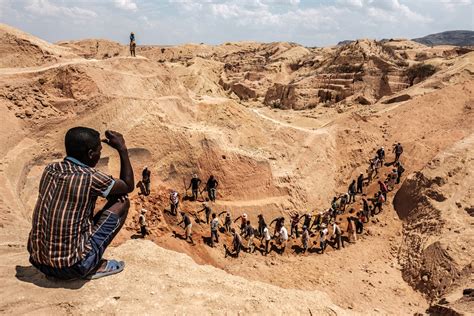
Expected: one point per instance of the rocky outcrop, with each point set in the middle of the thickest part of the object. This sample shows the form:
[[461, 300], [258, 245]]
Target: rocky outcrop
[[20, 49], [436, 252]]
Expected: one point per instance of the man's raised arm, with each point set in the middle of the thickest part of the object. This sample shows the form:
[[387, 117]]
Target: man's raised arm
[[126, 183]]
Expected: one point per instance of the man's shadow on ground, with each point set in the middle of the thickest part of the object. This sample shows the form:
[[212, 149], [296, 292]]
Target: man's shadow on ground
[[141, 186], [137, 236], [30, 274]]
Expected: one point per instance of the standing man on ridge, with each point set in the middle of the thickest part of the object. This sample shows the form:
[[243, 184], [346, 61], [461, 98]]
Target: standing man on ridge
[[133, 44]]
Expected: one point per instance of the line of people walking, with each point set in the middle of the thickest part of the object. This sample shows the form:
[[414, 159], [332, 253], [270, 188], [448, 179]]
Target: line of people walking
[[324, 227], [316, 225]]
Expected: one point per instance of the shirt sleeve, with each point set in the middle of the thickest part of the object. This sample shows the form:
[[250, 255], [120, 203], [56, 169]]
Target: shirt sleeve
[[101, 184]]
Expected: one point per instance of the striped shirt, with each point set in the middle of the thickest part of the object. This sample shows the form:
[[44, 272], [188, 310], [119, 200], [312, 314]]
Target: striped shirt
[[63, 216]]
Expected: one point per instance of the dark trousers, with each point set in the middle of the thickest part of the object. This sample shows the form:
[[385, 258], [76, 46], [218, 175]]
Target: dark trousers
[[147, 187], [143, 231], [398, 177], [378, 206], [195, 194], [215, 235], [322, 245], [359, 228], [294, 228], [237, 248], [352, 197], [211, 193], [174, 208], [359, 189], [267, 242], [339, 241]]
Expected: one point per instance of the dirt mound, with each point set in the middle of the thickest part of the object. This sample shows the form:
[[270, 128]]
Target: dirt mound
[[96, 48], [20, 49], [435, 255], [201, 76], [72, 87], [154, 279]]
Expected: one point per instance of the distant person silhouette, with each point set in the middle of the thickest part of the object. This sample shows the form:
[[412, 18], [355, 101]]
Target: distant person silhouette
[[132, 44]]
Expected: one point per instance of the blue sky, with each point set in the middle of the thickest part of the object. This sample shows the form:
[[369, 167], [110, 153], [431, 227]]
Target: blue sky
[[308, 22]]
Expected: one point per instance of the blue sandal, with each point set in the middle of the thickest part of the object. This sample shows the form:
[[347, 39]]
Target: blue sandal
[[112, 267]]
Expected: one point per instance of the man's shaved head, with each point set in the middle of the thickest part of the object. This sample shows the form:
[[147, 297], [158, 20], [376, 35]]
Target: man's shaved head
[[80, 141]]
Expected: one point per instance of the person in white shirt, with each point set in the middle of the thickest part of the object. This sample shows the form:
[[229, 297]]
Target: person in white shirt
[[174, 202], [283, 238], [337, 233], [267, 237], [214, 229], [142, 222], [323, 238]]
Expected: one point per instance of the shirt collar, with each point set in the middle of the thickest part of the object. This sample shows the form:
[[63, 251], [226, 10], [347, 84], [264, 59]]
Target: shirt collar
[[75, 161]]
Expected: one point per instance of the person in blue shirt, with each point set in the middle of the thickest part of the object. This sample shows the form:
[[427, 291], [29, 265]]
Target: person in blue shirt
[[132, 44]]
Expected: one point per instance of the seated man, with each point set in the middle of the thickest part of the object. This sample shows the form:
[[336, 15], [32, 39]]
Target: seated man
[[66, 240]]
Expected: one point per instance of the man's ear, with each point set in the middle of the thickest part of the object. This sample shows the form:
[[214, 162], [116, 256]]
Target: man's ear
[[90, 154]]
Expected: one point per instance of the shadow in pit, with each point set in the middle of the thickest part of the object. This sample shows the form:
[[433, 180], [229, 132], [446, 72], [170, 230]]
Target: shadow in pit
[[207, 240], [297, 249], [30, 274], [141, 186]]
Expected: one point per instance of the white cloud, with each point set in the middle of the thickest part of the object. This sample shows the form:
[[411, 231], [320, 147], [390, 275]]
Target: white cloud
[[452, 4], [46, 8], [128, 5], [386, 10], [147, 23], [262, 13], [3, 7]]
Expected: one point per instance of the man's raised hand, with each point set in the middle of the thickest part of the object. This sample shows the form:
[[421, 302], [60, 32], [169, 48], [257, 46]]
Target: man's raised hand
[[114, 140]]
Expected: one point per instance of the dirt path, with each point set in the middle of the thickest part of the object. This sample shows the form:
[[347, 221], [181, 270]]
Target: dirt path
[[318, 130]]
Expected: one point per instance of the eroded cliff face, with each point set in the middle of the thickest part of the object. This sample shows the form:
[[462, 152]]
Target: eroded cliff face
[[436, 206]]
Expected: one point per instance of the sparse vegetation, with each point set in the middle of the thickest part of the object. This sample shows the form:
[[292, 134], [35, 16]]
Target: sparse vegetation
[[401, 63], [419, 72], [389, 50], [421, 56]]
